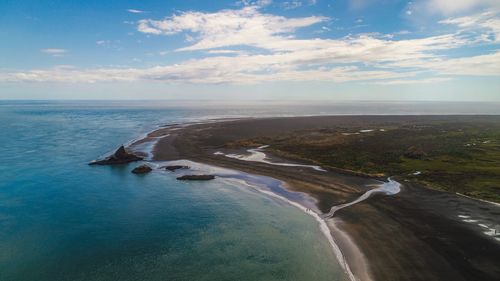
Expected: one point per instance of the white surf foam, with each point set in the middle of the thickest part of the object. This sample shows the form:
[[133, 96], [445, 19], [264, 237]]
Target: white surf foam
[[322, 225], [205, 168]]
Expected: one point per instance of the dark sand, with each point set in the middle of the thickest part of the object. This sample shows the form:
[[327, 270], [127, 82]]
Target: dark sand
[[414, 235]]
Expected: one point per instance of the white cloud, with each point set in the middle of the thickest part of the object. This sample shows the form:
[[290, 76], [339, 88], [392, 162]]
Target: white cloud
[[256, 3], [264, 2], [112, 44], [54, 52], [230, 52], [290, 5], [457, 6], [249, 27], [486, 23], [250, 69], [482, 65], [246, 26], [273, 53], [402, 32], [209, 71], [413, 81], [134, 11]]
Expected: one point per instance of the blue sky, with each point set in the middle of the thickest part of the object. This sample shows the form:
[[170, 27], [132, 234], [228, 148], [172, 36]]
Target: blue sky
[[251, 49]]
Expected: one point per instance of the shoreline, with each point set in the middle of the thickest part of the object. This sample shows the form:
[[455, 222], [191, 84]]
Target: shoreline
[[323, 226], [263, 185], [173, 142], [478, 199], [327, 225]]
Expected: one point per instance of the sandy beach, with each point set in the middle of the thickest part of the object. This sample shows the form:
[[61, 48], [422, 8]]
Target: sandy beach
[[416, 234]]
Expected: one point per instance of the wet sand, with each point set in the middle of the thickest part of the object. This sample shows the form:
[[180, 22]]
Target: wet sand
[[417, 234]]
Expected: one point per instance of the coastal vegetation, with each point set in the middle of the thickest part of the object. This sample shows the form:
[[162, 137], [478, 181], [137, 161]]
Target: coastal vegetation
[[455, 156]]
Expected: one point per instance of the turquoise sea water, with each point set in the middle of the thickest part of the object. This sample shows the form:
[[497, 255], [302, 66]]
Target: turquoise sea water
[[61, 219]]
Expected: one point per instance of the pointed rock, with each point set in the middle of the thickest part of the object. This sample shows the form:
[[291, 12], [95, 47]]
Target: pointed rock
[[121, 156]]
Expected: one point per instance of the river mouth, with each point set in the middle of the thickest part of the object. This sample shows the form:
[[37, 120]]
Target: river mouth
[[391, 187]]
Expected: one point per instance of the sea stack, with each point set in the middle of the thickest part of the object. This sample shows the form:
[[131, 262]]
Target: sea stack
[[175, 167], [121, 156], [143, 169]]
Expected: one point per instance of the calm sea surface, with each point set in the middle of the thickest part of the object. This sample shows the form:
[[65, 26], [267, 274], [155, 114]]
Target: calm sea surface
[[61, 219]]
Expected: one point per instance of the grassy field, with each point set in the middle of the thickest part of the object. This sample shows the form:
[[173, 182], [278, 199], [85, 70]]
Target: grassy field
[[459, 157]]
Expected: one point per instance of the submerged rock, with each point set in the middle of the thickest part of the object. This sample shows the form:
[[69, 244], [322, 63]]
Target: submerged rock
[[143, 169], [196, 177], [175, 167], [121, 156]]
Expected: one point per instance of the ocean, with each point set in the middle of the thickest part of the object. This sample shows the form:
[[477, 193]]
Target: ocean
[[61, 219]]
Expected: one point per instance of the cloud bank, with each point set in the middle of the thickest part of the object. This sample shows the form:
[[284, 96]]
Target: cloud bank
[[273, 51]]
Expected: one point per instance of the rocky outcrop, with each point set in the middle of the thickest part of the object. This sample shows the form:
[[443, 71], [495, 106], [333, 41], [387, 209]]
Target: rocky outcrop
[[121, 156], [173, 168], [196, 177], [143, 169]]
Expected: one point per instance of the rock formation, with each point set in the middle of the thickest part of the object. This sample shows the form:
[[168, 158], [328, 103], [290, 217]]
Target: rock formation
[[196, 177], [121, 156], [143, 169], [175, 167]]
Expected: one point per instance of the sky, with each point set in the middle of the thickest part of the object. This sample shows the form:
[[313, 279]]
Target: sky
[[251, 49]]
